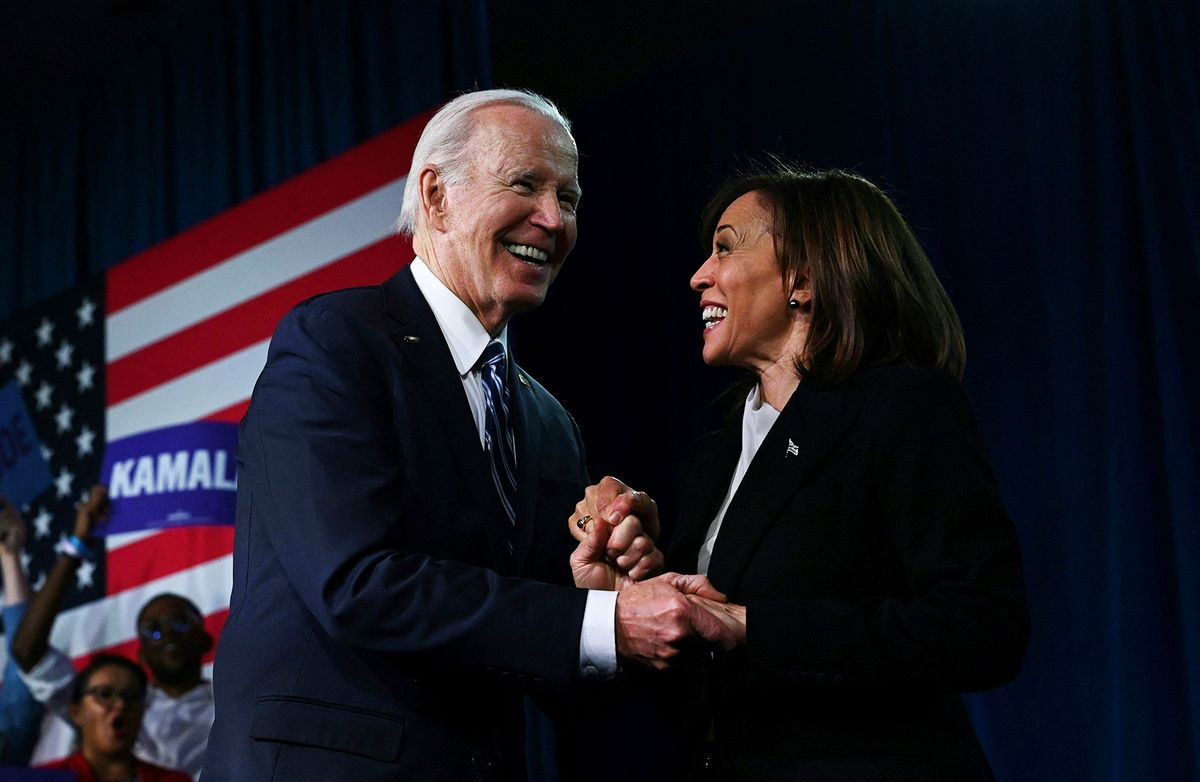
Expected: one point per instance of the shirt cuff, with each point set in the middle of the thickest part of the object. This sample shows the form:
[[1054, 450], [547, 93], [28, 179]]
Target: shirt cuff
[[598, 638], [49, 681]]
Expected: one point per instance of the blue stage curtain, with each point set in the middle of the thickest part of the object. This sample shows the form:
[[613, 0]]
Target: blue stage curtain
[[1045, 150], [222, 105], [1048, 154]]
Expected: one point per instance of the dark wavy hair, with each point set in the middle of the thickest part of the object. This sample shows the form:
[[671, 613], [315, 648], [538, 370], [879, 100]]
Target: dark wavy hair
[[875, 297], [174, 596], [84, 677]]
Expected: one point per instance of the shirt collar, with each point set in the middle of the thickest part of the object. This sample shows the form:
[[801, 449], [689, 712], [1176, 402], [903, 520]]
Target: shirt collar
[[755, 401], [465, 335], [758, 414]]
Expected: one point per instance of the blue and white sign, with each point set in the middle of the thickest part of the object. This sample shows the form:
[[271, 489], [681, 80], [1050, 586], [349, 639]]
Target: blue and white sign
[[171, 477], [24, 473]]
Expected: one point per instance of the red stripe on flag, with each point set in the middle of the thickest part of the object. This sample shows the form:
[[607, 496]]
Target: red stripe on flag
[[214, 623], [230, 415], [249, 322], [170, 551], [352, 174]]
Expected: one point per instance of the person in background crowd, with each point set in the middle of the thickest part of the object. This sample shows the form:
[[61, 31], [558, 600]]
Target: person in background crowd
[[107, 703], [172, 641], [20, 712]]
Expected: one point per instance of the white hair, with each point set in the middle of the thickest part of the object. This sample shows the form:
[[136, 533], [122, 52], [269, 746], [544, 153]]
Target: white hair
[[444, 142]]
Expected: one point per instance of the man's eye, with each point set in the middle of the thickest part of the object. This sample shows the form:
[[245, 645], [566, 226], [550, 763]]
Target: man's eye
[[567, 203], [721, 247], [524, 185]]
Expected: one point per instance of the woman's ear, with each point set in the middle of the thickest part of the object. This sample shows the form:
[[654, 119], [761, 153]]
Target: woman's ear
[[802, 291], [432, 189]]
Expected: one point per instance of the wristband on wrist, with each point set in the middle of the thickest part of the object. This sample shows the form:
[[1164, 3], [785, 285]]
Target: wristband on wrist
[[75, 548]]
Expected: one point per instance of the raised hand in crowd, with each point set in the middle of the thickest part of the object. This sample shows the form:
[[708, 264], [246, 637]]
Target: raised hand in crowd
[[12, 543], [31, 639]]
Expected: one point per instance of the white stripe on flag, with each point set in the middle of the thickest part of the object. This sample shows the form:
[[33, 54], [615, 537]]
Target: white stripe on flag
[[245, 276], [199, 393], [121, 539], [110, 620]]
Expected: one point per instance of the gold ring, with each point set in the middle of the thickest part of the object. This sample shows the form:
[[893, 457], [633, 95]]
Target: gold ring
[[582, 523]]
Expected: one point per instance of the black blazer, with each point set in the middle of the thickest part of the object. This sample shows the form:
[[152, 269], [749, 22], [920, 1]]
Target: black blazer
[[881, 576], [378, 628]]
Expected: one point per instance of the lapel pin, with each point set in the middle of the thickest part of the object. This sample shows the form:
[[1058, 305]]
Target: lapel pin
[[793, 449], [411, 339], [524, 380]]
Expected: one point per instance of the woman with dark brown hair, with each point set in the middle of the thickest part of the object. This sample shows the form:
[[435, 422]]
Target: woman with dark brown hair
[[847, 508]]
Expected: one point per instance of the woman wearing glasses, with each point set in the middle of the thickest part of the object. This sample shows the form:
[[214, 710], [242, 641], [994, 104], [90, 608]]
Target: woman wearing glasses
[[178, 710], [107, 703]]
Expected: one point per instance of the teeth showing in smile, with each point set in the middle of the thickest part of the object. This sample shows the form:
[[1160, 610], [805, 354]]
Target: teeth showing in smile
[[527, 253], [713, 315]]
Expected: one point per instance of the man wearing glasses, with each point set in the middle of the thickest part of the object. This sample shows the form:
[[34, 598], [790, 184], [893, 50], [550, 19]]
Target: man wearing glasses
[[172, 643]]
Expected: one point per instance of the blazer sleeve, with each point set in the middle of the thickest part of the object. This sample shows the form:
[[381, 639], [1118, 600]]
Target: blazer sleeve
[[960, 621], [325, 479]]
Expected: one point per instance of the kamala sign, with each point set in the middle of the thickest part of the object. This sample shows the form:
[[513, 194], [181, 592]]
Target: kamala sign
[[172, 477]]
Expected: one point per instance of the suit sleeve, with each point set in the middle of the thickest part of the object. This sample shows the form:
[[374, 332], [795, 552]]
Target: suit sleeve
[[962, 623], [325, 479]]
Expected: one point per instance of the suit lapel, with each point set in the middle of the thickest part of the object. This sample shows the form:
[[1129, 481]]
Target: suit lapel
[[809, 426], [715, 457], [420, 342], [528, 429]]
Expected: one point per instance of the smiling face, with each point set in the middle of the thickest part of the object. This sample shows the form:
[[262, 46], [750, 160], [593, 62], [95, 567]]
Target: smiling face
[[499, 237], [743, 299], [109, 715], [175, 655]]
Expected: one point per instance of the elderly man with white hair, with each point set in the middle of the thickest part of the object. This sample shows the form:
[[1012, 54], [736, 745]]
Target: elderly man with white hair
[[401, 576]]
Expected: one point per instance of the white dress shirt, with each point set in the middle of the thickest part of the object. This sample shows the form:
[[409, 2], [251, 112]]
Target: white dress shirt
[[467, 339], [757, 419]]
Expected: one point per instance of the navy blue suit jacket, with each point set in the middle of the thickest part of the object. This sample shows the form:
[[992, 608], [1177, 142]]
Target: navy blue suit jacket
[[378, 628]]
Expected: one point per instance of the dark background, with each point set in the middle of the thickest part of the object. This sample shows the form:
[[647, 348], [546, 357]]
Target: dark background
[[1045, 152]]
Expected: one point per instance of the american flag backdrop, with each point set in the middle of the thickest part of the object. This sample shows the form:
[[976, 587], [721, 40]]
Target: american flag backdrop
[[55, 353], [178, 334]]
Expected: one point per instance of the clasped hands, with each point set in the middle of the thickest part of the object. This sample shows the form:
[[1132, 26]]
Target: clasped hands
[[657, 618]]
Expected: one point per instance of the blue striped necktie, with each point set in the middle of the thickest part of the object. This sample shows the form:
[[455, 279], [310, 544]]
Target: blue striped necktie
[[497, 432]]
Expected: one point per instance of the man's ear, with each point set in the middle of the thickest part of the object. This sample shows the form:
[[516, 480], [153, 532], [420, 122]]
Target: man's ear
[[432, 189]]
